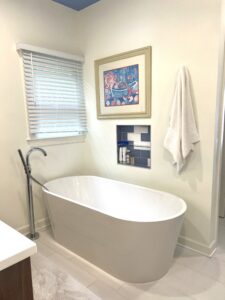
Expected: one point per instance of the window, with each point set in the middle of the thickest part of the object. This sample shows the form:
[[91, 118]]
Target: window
[[54, 94]]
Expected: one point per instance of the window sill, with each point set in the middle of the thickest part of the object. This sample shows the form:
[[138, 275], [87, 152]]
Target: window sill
[[56, 140]]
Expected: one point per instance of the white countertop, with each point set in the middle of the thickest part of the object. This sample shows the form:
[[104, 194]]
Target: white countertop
[[14, 246]]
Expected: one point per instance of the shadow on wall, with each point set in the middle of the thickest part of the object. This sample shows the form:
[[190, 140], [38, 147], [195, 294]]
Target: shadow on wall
[[200, 242]]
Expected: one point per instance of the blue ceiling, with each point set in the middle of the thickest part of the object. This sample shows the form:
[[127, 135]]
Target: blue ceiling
[[76, 4]]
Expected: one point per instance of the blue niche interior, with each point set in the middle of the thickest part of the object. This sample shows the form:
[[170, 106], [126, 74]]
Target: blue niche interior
[[134, 145]]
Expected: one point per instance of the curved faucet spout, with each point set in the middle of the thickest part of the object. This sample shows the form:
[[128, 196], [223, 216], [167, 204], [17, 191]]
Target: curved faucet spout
[[29, 153]]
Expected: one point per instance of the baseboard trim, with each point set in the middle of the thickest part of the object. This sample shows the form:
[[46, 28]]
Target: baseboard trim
[[40, 225], [207, 250]]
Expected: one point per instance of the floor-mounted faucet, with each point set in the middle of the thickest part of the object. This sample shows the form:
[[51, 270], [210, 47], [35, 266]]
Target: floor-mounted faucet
[[33, 235]]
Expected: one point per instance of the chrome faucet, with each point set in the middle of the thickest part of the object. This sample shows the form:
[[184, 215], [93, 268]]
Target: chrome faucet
[[29, 153], [33, 235]]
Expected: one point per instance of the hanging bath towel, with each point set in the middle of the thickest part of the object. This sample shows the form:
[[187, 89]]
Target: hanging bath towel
[[182, 133]]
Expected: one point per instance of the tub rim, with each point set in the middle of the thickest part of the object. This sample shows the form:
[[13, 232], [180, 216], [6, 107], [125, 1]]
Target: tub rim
[[174, 216]]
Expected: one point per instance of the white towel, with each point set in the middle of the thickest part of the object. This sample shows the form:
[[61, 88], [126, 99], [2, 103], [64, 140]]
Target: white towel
[[182, 133]]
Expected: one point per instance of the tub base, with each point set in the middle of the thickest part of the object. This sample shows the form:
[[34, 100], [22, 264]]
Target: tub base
[[130, 249]]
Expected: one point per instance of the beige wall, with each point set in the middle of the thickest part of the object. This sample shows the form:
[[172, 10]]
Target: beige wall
[[180, 32], [45, 24]]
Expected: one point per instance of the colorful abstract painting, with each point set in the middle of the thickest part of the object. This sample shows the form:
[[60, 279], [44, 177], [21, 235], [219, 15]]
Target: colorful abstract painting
[[121, 86]]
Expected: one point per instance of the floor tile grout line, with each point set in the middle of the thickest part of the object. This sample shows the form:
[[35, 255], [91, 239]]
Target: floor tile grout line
[[70, 258], [117, 289], [146, 293], [110, 287], [124, 283], [204, 275], [92, 266]]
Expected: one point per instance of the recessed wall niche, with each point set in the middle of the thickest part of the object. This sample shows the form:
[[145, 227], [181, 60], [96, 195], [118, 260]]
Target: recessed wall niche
[[134, 145]]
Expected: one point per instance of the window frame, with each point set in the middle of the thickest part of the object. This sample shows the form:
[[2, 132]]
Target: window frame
[[60, 138]]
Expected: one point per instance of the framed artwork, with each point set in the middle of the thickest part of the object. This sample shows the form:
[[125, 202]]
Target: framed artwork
[[123, 85]]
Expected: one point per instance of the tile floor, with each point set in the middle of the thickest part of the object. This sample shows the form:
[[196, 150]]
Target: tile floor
[[58, 274]]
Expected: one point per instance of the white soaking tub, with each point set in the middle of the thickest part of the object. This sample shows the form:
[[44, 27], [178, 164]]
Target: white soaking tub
[[127, 230]]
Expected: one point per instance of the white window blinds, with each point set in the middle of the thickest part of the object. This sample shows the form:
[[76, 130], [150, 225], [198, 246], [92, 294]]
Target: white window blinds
[[54, 92]]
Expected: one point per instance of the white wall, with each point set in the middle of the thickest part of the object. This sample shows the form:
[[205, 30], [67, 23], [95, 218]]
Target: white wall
[[222, 97], [180, 32], [46, 24]]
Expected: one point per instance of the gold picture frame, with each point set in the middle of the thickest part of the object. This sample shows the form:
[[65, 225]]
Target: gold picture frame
[[123, 85]]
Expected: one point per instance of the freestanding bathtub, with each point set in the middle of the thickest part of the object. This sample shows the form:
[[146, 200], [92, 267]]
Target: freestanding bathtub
[[127, 230]]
